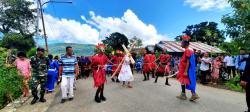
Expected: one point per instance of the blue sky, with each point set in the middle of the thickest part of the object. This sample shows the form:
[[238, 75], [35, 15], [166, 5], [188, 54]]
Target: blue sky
[[88, 21]]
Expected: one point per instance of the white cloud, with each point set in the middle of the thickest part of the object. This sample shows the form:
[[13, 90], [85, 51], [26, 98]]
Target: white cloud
[[97, 27], [67, 30], [129, 24], [208, 4]]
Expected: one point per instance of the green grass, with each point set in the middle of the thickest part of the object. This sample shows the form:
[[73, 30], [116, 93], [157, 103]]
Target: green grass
[[234, 84]]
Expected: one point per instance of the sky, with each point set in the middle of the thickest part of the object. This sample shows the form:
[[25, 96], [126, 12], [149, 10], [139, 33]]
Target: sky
[[89, 21]]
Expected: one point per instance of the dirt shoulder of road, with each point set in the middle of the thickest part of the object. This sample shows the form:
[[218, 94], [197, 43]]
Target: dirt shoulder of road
[[18, 106]]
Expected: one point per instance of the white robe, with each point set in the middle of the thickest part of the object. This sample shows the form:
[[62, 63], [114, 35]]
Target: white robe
[[126, 73]]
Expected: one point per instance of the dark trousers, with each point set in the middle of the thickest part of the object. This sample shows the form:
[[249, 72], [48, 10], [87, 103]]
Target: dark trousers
[[86, 73], [241, 74], [204, 75], [248, 96], [231, 69], [35, 81]]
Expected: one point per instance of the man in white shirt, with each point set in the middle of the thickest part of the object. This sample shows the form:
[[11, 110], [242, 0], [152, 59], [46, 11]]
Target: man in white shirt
[[204, 67], [229, 62]]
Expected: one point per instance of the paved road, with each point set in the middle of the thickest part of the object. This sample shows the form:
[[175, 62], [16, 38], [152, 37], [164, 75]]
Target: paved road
[[148, 97]]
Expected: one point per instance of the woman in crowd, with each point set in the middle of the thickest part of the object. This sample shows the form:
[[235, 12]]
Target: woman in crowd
[[52, 74], [216, 70], [24, 69]]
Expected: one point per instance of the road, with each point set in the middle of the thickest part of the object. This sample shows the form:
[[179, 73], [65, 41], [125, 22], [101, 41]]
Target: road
[[148, 97]]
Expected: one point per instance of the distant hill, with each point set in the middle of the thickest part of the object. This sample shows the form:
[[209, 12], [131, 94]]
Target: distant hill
[[79, 49]]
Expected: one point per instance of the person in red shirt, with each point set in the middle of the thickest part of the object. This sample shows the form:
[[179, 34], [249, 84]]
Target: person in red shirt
[[186, 75], [153, 64], [98, 63], [147, 66], [116, 59], [164, 66]]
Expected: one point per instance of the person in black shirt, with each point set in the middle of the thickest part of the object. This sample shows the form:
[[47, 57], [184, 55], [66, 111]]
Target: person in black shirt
[[245, 82]]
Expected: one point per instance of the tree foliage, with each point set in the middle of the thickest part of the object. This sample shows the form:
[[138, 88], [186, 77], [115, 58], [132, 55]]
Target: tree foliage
[[16, 20], [206, 32], [238, 22], [115, 40], [230, 47], [18, 41], [15, 16], [138, 42]]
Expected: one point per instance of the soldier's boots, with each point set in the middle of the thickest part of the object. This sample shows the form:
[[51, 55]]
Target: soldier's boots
[[42, 99], [34, 100], [37, 98]]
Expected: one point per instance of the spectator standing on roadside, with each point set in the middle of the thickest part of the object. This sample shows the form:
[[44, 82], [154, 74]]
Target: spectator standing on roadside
[[204, 67], [230, 64], [240, 63]]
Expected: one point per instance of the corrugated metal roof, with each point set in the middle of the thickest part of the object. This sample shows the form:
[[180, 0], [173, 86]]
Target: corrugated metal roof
[[173, 46]]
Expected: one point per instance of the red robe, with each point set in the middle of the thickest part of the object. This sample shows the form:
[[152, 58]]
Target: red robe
[[152, 59], [147, 64], [164, 66], [116, 61], [99, 74], [183, 79]]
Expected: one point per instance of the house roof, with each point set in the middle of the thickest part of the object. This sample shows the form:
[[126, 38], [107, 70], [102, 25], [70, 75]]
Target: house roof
[[173, 46]]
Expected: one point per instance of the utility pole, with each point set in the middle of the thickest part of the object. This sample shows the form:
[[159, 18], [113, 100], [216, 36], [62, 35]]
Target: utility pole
[[37, 23], [40, 8], [44, 31]]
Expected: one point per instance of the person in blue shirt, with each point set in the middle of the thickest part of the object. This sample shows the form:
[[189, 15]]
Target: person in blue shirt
[[68, 71], [52, 74], [240, 62], [245, 81]]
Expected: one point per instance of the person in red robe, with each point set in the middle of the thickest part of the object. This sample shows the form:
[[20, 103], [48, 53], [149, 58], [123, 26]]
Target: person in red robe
[[98, 63], [164, 66], [185, 73], [147, 65], [153, 64], [116, 60]]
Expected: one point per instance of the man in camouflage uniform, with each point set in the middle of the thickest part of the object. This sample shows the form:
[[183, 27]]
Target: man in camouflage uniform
[[40, 65]]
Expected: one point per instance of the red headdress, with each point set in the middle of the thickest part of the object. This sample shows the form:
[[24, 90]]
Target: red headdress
[[185, 37], [100, 45]]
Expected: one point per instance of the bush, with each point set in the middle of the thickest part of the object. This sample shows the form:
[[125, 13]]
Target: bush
[[31, 52], [10, 81], [234, 84]]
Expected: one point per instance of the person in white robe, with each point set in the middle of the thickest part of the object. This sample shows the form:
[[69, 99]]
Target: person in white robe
[[125, 74]]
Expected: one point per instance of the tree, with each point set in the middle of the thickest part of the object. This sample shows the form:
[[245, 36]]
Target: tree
[[16, 19], [15, 16], [115, 40], [206, 32], [18, 41], [137, 40], [238, 22]]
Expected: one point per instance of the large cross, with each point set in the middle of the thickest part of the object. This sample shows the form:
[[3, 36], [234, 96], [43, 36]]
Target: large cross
[[127, 51]]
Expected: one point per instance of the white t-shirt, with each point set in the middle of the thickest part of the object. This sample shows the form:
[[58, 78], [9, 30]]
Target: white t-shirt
[[204, 66], [229, 60]]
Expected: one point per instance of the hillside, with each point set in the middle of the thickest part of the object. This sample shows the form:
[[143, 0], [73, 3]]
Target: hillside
[[79, 49]]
